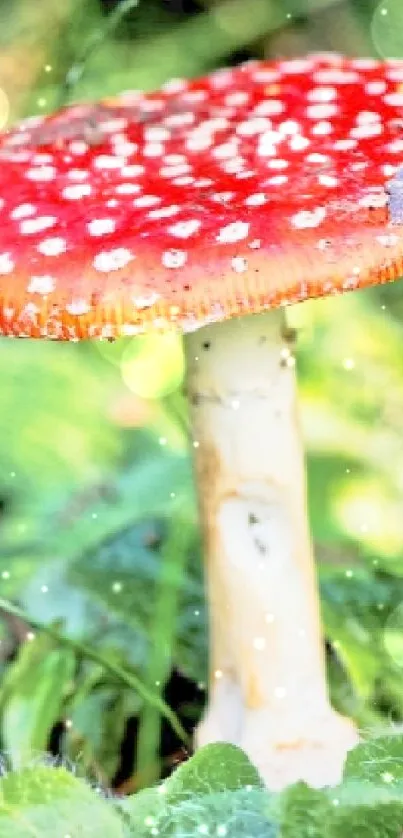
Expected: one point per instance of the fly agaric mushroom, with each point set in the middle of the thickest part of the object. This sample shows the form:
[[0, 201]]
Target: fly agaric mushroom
[[201, 207]]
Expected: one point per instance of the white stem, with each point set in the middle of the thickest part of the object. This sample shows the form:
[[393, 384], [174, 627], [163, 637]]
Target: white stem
[[268, 682]]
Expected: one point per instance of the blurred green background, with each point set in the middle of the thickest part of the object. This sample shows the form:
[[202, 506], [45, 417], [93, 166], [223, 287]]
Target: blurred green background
[[99, 541]]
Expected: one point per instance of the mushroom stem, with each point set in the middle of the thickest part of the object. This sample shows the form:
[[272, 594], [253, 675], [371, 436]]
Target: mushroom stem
[[268, 690]]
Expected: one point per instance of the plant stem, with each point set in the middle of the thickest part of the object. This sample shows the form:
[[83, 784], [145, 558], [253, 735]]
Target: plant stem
[[127, 678]]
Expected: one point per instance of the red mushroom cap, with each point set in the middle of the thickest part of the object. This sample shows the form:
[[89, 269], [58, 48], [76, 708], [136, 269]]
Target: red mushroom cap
[[245, 190]]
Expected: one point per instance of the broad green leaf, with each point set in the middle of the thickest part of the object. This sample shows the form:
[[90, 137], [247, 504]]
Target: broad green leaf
[[378, 760], [218, 767], [45, 802], [303, 812], [366, 810], [143, 811], [32, 696], [236, 814]]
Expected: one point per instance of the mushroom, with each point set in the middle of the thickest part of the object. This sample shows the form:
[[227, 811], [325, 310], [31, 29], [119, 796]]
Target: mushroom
[[208, 207]]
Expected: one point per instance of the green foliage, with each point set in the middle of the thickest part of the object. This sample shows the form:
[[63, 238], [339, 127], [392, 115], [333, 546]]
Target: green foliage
[[217, 792], [43, 801], [34, 690], [216, 768]]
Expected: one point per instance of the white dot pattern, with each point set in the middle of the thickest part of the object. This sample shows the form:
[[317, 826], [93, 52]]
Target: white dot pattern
[[242, 190]]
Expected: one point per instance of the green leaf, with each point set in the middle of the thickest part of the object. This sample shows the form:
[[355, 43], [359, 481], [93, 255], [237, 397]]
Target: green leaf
[[365, 810], [44, 802], [218, 767], [369, 802], [32, 695], [143, 811], [378, 760], [129, 678], [303, 812], [236, 814]]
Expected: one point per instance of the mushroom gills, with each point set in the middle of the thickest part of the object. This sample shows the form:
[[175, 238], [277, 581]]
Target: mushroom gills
[[268, 690]]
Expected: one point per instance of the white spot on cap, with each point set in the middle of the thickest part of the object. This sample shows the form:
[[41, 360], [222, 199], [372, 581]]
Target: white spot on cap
[[374, 200], [321, 111], [254, 125], [175, 171], [322, 94], [234, 232], [42, 173], [76, 191], [361, 132], [308, 218], [394, 99], [327, 180], [174, 258], [113, 260], [146, 201], [109, 161], [270, 107], [133, 171], [22, 211], [101, 226], [289, 128], [128, 189], [77, 174], [36, 225], [388, 240], [52, 247], [184, 229], [146, 302], [256, 200], [78, 307], [321, 128], [41, 285], [164, 212], [239, 264], [298, 143], [375, 88], [7, 265]]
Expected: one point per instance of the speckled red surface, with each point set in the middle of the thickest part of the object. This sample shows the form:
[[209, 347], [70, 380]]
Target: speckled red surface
[[237, 192]]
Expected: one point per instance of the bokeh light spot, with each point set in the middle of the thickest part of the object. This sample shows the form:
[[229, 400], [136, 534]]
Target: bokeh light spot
[[4, 108], [387, 27], [153, 365]]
